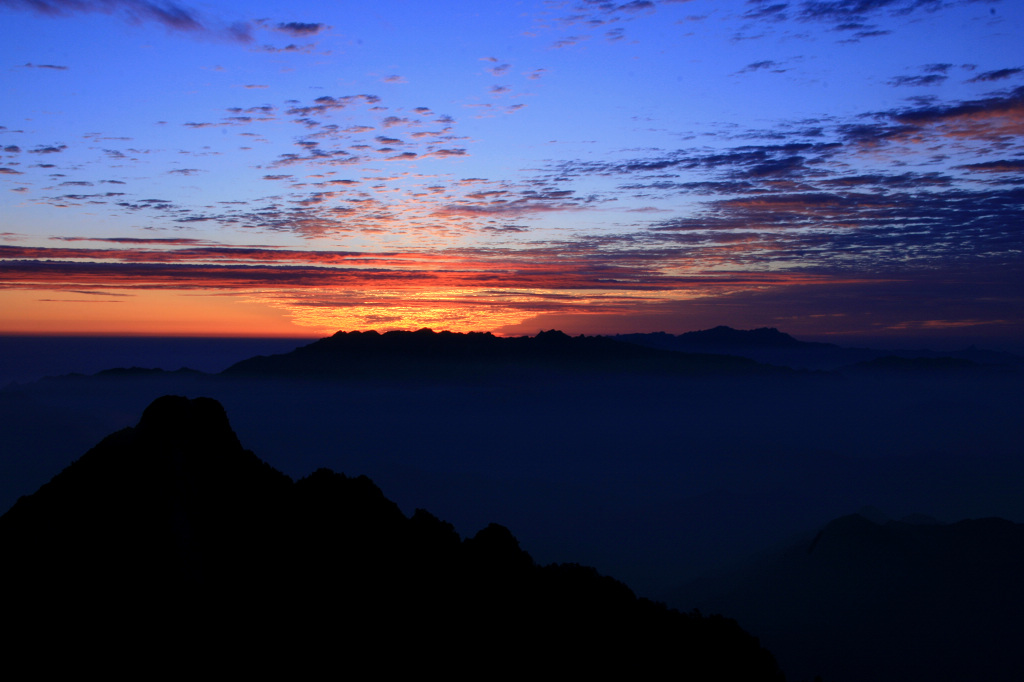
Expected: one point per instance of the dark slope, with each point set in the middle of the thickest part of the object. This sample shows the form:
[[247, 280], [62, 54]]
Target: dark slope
[[171, 499], [424, 354], [170, 542], [29, 358], [886, 600], [766, 345], [769, 345], [891, 365], [722, 337]]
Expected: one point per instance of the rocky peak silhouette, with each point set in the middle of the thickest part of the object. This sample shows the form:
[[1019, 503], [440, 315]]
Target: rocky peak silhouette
[[176, 416], [195, 551]]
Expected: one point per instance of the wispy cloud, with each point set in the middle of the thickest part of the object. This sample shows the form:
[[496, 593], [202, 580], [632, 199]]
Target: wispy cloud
[[917, 81], [997, 75], [54, 67], [763, 65], [172, 15]]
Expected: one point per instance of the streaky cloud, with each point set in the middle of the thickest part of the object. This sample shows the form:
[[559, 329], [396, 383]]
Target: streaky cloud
[[930, 79], [997, 75], [54, 67], [172, 15]]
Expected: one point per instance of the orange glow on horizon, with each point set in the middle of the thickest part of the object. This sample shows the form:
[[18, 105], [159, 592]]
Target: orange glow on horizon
[[140, 313]]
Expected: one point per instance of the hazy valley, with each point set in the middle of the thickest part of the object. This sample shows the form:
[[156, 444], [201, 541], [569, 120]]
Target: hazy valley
[[655, 466]]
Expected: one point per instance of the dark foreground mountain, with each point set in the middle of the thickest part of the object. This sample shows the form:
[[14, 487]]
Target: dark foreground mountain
[[884, 600], [652, 477], [170, 543]]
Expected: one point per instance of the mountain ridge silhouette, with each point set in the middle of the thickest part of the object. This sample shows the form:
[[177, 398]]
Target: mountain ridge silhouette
[[186, 544], [770, 346], [473, 356], [724, 336]]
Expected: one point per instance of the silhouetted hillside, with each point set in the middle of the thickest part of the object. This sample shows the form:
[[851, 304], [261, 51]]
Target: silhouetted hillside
[[888, 601], [721, 337], [425, 354], [170, 539], [769, 345]]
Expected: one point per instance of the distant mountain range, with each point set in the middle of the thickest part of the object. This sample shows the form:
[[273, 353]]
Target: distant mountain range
[[721, 338], [172, 539], [448, 356], [769, 345], [476, 357], [480, 356], [426, 354], [721, 351]]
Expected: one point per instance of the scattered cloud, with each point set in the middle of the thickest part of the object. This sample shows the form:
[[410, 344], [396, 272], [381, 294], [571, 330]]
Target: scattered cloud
[[764, 65], [291, 47], [326, 103], [48, 149], [932, 185], [568, 41], [298, 29]]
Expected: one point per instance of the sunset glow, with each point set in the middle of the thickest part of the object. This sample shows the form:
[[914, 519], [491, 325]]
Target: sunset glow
[[246, 169]]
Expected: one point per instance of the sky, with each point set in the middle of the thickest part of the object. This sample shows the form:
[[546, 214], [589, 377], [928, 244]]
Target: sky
[[838, 169]]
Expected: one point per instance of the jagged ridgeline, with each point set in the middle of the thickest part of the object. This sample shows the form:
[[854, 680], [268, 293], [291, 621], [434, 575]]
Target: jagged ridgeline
[[426, 354], [172, 539]]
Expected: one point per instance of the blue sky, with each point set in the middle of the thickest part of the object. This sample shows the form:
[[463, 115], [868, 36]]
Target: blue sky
[[840, 168]]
